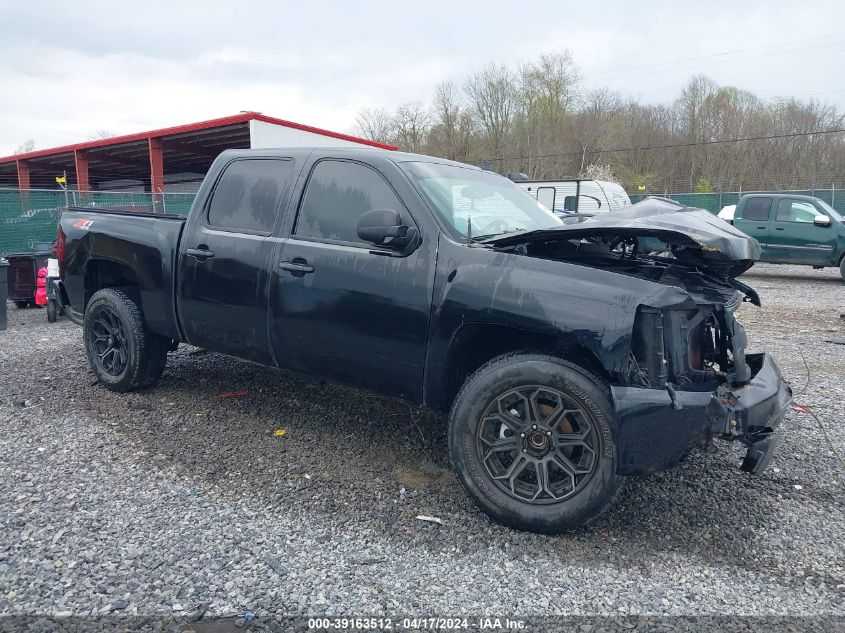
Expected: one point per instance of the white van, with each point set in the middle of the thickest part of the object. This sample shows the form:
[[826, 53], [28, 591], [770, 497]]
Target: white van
[[565, 197]]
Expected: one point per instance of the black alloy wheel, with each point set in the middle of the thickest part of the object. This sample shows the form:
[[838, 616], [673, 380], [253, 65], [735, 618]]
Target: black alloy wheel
[[108, 341], [537, 444]]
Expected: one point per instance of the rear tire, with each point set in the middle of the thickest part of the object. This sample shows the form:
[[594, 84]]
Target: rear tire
[[22, 305], [122, 351], [52, 311], [532, 441]]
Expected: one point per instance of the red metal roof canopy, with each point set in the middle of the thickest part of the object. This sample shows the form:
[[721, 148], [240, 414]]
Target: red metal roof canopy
[[180, 154], [244, 117]]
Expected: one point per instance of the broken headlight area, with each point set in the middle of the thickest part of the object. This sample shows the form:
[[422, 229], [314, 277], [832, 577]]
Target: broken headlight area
[[691, 380], [689, 349]]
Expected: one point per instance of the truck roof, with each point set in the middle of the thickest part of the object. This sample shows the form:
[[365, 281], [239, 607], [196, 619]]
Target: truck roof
[[780, 194], [346, 152]]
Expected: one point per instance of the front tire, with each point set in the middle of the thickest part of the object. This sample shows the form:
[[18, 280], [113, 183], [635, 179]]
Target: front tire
[[532, 440], [121, 350], [842, 268]]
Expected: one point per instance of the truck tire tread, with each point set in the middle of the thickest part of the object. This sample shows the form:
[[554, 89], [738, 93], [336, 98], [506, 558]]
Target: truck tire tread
[[147, 355], [52, 311], [157, 360]]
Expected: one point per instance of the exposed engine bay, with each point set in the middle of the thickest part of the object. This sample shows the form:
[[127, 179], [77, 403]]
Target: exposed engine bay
[[696, 346], [686, 360]]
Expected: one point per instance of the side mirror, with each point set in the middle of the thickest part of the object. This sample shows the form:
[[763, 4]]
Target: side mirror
[[821, 220], [384, 227]]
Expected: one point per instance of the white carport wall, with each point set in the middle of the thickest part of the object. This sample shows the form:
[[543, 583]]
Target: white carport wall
[[264, 135]]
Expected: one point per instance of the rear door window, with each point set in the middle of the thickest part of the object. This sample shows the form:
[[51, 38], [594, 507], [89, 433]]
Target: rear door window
[[757, 209], [249, 193]]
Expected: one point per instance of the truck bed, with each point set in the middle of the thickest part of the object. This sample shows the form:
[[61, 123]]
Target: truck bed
[[128, 212], [124, 246]]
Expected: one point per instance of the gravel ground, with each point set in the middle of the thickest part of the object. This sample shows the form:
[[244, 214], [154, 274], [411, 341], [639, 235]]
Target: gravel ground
[[158, 501]]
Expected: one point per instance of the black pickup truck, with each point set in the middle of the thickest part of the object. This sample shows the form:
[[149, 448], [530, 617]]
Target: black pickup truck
[[567, 356]]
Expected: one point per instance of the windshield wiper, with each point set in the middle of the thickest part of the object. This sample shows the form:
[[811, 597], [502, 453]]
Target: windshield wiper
[[492, 235]]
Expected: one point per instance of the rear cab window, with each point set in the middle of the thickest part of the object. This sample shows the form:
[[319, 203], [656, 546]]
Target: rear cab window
[[248, 195], [757, 209]]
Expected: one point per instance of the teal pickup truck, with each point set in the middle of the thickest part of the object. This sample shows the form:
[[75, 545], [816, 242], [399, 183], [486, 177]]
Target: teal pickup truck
[[793, 229]]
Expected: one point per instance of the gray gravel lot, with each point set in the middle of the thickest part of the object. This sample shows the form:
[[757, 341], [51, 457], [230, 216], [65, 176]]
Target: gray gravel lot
[[156, 501]]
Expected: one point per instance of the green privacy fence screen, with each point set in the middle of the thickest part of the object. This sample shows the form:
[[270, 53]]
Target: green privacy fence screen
[[29, 216], [714, 202]]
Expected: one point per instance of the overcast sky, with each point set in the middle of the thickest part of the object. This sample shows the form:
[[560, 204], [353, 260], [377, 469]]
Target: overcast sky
[[68, 68]]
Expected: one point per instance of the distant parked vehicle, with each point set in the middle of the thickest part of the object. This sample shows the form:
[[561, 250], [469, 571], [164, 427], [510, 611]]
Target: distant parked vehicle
[[793, 229], [727, 213], [566, 197]]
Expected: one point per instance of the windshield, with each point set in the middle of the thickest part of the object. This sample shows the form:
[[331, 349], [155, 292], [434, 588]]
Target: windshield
[[491, 203]]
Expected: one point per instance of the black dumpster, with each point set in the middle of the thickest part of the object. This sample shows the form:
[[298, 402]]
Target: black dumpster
[[22, 273], [4, 293]]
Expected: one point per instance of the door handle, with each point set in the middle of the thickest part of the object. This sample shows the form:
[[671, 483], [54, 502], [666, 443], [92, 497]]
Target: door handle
[[200, 254], [778, 228], [762, 228], [297, 267]]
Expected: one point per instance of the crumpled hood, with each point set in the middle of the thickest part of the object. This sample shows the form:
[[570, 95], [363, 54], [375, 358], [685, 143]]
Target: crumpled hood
[[705, 238]]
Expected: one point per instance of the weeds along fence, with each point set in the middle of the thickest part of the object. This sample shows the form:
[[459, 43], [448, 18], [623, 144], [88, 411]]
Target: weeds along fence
[[30, 216], [714, 202]]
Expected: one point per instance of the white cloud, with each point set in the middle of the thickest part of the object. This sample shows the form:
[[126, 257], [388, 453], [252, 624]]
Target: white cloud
[[69, 68]]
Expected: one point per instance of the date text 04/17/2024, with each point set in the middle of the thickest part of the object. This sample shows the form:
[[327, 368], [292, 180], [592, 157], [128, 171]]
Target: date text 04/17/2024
[[417, 623]]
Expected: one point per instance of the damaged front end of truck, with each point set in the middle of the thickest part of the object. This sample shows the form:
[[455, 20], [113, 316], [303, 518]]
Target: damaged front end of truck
[[685, 374]]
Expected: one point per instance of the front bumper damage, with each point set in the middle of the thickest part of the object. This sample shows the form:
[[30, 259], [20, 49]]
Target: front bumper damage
[[657, 427]]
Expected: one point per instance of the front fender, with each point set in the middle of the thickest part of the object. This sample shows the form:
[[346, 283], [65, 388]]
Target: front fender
[[593, 308]]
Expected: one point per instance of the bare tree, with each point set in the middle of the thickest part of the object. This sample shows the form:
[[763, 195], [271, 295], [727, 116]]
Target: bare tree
[[449, 135], [557, 79], [101, 134], [411, 123], [493, 98], [535, 117], [591, 126], [27, 146], [375, 124]]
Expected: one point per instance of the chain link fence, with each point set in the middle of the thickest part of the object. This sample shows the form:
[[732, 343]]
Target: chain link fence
[[714, 202], [30, 216]]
